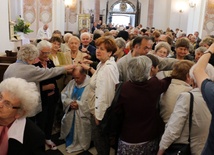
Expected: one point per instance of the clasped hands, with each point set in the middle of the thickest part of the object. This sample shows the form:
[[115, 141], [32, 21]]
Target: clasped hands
[[74, 105]]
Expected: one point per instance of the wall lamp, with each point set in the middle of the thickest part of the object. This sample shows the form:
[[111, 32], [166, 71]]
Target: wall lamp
[[71, 4], [192, 3]]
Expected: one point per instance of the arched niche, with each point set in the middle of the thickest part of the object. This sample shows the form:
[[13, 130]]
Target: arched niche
[[123, 12]]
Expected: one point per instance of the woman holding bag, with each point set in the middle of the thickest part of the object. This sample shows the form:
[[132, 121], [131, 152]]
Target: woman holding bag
[[177, 130]]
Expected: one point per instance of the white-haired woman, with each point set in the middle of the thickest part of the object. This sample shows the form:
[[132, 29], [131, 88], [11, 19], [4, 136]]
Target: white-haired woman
[[177, 130], [64, 47], [138, 101], [18, 100], [24, 69], [49, 92], [74, 56]]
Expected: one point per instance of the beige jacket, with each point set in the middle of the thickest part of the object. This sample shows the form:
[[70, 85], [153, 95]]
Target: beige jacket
[[169, 98], [177, 129], [80, 57]]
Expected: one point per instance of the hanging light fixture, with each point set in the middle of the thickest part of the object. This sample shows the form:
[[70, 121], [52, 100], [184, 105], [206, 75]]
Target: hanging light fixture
[[68, 3]]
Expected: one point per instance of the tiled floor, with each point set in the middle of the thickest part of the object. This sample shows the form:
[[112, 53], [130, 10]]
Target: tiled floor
[[61, 149]]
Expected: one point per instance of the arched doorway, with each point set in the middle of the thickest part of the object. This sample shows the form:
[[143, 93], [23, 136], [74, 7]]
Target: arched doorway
[[123, 12]]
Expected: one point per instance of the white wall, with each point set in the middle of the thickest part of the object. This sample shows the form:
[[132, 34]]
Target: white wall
[[196, 18], [4, 30], [178, 19], [58, 14], [144, 12]]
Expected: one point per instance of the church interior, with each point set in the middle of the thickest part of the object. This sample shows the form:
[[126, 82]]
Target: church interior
[[72, 16]]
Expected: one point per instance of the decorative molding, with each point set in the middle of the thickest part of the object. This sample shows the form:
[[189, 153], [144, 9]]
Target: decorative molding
[[127, 2], [123, 6], [45, 11]]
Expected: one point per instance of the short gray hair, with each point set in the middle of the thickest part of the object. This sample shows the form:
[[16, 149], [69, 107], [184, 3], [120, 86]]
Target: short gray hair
[[139, 68], [200, 49], [85, 33], [26, 92], [120, 42], [27, 52], [44, 44], [73, 37], [67, 36], [163, 44]]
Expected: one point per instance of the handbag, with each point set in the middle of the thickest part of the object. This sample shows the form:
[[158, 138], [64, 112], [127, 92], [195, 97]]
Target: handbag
[[179, 148], [111, 121]]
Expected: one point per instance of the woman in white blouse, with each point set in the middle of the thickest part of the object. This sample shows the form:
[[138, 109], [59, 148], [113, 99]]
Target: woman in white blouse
[[102, 92]]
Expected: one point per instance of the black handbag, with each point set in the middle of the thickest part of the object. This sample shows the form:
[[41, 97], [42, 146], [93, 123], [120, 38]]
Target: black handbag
[[111, 121], [178, 148]]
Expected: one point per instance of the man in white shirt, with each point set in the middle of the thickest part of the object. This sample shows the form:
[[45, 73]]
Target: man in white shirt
[[44, 32]]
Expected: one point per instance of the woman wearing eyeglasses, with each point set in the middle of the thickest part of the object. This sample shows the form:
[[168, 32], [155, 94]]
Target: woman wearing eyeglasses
[[24, 69], [18, 135], [50, 95]]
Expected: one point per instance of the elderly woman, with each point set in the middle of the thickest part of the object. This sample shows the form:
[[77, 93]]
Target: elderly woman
[[102, 88], [64, 47], [199, 52], [24, 69], [49, 94], [18, 100], [162, 49], [181, 82], [75, 55], [121, 45], [177, 130], [206, 42], [139, 100], [205, 83]]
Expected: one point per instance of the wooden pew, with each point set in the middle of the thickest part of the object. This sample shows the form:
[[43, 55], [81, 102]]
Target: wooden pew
[[5, 61]]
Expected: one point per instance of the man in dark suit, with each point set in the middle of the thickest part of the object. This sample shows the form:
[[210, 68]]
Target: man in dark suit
[[18, 100]]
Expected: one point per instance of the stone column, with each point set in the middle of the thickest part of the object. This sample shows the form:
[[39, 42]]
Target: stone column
[[150, 13], [97, 11]]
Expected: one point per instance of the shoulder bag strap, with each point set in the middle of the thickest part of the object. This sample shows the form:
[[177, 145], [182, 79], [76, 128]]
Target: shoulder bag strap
[[190, 114], [117, 94]]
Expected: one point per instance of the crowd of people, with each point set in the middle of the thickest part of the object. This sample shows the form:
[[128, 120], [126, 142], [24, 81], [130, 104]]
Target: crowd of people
[[71, 80]]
